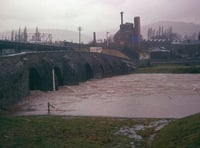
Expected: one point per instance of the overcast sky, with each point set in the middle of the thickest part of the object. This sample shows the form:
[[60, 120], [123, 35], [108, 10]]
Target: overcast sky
[[93, 15]]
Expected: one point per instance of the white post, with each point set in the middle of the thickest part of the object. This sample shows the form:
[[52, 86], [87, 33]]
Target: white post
[[53, 78]]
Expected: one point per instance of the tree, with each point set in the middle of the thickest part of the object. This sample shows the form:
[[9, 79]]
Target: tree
[[37, 35], [25, 35], [19, 35], [12, 35], [16, 36]]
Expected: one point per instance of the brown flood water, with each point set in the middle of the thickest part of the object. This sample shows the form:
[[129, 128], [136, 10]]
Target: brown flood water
[[135, 95]]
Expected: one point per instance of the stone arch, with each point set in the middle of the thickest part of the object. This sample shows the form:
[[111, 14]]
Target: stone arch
[[108, 68], [102, 70], [111, 69], [88, 71], [35, 82], [58, 77]]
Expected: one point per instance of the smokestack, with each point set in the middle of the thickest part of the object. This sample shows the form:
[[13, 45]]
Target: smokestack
[[137, 24], [94, 38], [137, 32], [121, 17]]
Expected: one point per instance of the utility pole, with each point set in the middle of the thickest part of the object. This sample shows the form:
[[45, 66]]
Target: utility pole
[[79, 29], [107, 38]]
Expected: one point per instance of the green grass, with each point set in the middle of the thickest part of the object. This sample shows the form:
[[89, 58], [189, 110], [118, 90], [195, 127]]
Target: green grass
[[183, 133], [167, 68], [70, 132], [93, 132]]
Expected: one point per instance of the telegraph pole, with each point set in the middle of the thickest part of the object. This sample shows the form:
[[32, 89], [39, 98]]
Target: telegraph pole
[[79, 29], [107, 37]]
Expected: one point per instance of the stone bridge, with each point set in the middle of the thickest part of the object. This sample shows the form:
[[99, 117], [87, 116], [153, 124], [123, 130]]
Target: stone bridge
[[18, 47], [46, 71]]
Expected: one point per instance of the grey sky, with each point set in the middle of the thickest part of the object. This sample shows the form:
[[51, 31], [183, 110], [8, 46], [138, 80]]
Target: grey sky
[[93, 15]]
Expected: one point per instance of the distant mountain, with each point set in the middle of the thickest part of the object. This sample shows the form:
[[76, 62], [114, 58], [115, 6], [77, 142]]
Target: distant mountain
[[181, 28]]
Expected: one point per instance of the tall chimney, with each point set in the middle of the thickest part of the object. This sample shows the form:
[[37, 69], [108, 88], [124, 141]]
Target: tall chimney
[[137, 36], [137, 26], [94, 38], [122, 17]]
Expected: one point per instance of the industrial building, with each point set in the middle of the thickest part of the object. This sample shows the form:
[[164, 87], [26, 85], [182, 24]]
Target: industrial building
[[129, 34]]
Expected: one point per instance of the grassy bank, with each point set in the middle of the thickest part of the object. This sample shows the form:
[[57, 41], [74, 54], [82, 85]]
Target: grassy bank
[[183, 133], [169, 68], [96, 132], [73, 132]]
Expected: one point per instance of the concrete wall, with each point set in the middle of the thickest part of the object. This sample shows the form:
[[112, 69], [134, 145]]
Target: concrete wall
[[33, 71]]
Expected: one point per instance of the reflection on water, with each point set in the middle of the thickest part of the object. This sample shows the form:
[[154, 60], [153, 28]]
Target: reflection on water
[[136, 95]]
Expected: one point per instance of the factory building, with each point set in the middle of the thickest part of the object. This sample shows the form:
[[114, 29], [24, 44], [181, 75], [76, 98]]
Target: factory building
[[129, 34]]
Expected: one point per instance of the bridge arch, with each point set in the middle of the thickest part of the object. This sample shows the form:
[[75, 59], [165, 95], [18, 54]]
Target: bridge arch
[[35, 82], [59, 75], [102, 70], [88, 71], [58, 78], [110, 69], [107, 66]]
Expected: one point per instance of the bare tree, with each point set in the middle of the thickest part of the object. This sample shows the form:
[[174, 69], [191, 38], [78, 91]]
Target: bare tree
[[16, 36], [12, 35], [37, 35], [25, 35], [19, 35]]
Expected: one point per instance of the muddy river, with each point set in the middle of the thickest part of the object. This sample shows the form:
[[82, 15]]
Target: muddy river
[[135, 95]]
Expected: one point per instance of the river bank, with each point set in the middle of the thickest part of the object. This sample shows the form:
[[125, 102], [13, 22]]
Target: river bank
[[170, 68], [98, 132], [76, 132]]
